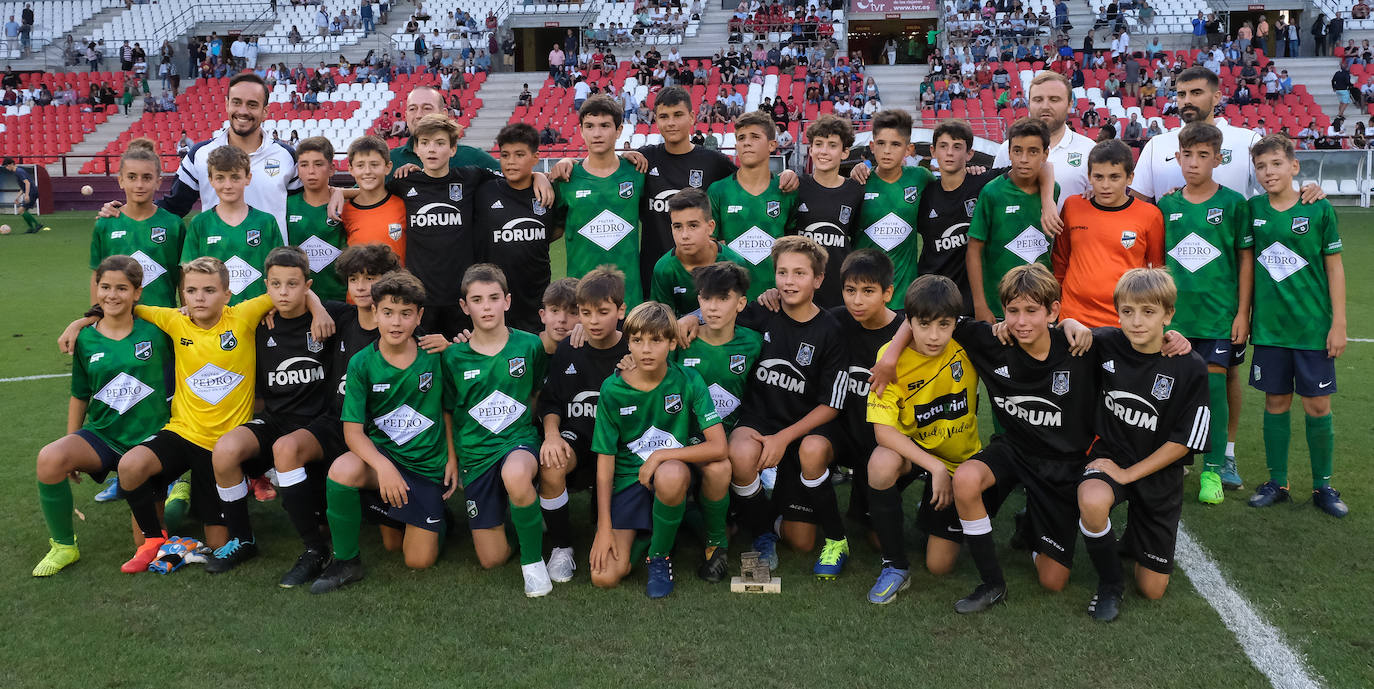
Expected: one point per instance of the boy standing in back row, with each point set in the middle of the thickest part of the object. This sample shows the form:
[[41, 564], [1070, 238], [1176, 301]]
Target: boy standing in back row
[[750, 208], [828, 204], [308, 224], [892, 195], [232, 231]]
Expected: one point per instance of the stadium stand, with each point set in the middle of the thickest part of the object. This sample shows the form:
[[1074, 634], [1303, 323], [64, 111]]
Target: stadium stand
[[277, 39], [153, 23], [42, 133], [621, 23], [52, 20]]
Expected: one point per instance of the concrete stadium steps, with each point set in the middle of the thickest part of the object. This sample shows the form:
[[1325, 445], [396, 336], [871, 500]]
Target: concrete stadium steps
[[899, 85], [1315, 73], [499, 94], [96, 141]]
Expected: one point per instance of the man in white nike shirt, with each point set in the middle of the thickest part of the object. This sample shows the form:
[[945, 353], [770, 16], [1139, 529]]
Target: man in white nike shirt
[[1050, 100]]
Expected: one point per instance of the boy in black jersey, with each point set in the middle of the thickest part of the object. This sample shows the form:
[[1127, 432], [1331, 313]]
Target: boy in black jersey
[[558, 313], [567, 408], [511, 232], [866, 324], [828, 211], [1154, 415], [798, 386]]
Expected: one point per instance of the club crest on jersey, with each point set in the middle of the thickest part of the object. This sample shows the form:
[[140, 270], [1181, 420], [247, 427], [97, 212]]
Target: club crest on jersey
[[1225, 156], [517, 367], [272, 167], [1300, 225], [672, 403], [393, 230], [254, 237], [846, 213], [1075, 159], [159, 235], [227, 341], [1163, 387], [910, 194], [969, 205], [1214, 216], [143, 350], [539, 208], [312, 344], [1127, 239], [627, 189], [774, 208], [1059, 384], [804, 354], [332, 222], [696, 178], [426, 381], [737, 364], [455, 191], [956, 371]]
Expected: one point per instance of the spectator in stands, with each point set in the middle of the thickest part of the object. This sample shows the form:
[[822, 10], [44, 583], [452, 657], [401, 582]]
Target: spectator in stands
[[1360, 11], [1155, 130], [11, 34], [1359, 139], [1243, 95], [556, 60], [398, 128], [1285, 82], [1091, 119], [44, 96], [1308, 135], [1341, 83], [128, 99], [150, 103]]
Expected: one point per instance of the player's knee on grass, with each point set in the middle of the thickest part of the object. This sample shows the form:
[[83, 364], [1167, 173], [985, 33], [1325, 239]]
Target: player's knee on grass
[[744, 457], [1316, 406], [518, 473], [392, 538], [491, 546], [1150, 583], [799, 536], [671, 479], [815, 454], [56, 460], [421, 548], [884, 468], [941, 555], [136, 466], [1278, 404], [348, 470], [1053, 575], [715, 479], [1095, 500]]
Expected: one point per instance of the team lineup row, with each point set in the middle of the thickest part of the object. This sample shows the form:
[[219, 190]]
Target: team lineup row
[[791, 393]]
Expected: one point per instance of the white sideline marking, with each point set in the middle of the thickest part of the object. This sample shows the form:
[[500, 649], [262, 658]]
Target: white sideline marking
[[1262, 643], [24, 378], [1358, 339]]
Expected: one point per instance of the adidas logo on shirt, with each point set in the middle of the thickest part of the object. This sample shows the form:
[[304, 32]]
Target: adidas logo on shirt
[[654, 171], [412, 192], [1109, 366], [933, 214], [1002, 371], [572, 370], [497, 204], [803, 208], [271, 342]]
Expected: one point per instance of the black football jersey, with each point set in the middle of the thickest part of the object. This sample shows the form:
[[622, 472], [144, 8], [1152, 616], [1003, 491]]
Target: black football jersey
[[292, 366], [801, 366], [349, 339], [830, 216], [668, 174], [861, 352], [512, 232], [573, 386], [1148, 400], [943, 220], [1046, 408], [439, 228]]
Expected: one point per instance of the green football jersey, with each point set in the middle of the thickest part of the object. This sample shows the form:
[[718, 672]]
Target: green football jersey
[[243, 248], [1292, 298], [674, 286], [888, 220], [1007, 221], [126, 383], [725, 369], [600, 217], [491, 400], [155, 243], [631, 424], [322, 239], [750, 224], [402, 411], [1201, 242]]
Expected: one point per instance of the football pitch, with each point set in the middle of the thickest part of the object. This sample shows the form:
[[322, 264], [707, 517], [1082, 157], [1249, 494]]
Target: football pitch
[[1293, 585]]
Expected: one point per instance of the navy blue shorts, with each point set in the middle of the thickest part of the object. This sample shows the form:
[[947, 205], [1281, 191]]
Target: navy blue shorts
[[424, 508], [1283, 371], [487, 500], [1222, 352], [109, 459], [632, 507]]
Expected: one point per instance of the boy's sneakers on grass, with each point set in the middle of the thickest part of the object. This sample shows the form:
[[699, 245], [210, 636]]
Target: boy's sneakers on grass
[[660, 577], [716, 566], [767, 547], [262, 489], [1269, 493], [1209, 488], [1105, 605], [59, 556], [891, 581], [1328, 500], [562, 565], [144, 556], [231, 555], [110, 492], [308, 568], [831, 562], [338, 574], [982, 598], [537, 581], [1230, 478]]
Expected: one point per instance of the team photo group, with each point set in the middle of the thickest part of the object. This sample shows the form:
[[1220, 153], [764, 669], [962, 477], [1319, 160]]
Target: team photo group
[[729, 343]]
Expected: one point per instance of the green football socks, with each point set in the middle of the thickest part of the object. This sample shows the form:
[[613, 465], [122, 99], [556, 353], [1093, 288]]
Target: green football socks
[[715, 511], [1277, 435], [1215, 458], [55, 499], [1321, 441], [666, 520], [529, 531], [345, 513], [30, 220]]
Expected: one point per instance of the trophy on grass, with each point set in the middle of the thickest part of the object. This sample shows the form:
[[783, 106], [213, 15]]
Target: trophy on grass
[[755, 576]]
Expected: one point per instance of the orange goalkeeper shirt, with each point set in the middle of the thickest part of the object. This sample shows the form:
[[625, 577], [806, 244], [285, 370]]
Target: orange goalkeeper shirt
[[1097, 246], [384, 222]]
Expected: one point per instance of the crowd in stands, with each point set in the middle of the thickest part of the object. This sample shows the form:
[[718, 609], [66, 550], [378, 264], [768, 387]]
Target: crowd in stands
[[651, 18], [788, 22]]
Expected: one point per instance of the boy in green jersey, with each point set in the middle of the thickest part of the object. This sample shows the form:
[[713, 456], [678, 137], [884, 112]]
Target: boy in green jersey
[[693, 247], [234, 232], [1209, 250], [651, 422], [149, 234], [750, 210], [120, 388], [1298, 323], [394, 420], [598, 206], [1007, 229], [308, 224], [892, 197], [723, 354], [494, 377]]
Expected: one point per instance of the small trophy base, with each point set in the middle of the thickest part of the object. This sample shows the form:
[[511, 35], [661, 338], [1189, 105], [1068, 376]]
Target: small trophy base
[[739, 585]]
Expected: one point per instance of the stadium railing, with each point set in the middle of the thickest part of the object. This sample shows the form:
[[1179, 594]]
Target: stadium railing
[[1339, 172]]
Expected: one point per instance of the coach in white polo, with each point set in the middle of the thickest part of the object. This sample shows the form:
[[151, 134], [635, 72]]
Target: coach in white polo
[[1050, 100]]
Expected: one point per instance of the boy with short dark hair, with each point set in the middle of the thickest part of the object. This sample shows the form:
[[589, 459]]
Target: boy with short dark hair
[[512, 233], [892, 195], [558, 312], [925, 420], [694, 246], [652, 422], [1104, 237], [1153, 417], [233, 232], [567, 407], [308, 224], [749, 207], [1299, 295], [828, 205], [374, 214], [1209, 250]]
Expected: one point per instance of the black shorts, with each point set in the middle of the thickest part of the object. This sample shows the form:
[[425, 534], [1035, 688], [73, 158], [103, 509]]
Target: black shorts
[[632, 507], [269, 428], [1156, 503], [583, 476], [328, 432], [444, 319], [424, 508], [1283, 371], [487, 500], [109, 459], [1221, 352], [851, 450], [179, 455], [790, 497], [1051, 495], [938, 523]]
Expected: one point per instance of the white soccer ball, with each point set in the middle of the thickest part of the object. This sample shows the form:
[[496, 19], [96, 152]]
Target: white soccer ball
[[4, 229], [87, 190]]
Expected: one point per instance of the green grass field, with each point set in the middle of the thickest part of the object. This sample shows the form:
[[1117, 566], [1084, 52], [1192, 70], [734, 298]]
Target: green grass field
[[91, 626]]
